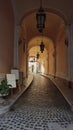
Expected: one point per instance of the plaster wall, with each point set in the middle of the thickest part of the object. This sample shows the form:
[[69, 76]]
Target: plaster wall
[[51, 59], [6, 36], [62, 58], [21, 7], [46, 66]]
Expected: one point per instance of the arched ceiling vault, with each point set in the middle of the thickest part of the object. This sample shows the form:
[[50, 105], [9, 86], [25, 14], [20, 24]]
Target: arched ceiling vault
[[37, 41], [51, 30], [23, 6], [34, 50]]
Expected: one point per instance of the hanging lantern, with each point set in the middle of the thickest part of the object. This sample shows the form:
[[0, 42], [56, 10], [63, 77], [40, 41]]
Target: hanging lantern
[[38, 55], [40, 17], [42, 47]]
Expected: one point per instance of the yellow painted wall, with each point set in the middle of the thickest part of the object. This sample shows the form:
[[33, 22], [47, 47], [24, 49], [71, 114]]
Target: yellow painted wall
[[51, 59], [61, 56]]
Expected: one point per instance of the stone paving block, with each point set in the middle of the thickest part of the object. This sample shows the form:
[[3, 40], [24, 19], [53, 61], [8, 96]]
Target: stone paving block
[[27, 115]]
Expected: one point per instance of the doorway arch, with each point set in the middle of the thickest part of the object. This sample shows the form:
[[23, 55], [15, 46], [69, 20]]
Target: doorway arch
[[55, 30]]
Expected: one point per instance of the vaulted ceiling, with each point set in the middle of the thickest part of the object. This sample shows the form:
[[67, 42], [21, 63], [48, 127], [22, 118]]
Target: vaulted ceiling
[[57, 14], [21, 7], [52, 26]]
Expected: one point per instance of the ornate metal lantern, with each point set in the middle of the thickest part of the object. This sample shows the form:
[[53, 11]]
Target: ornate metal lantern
[[42, 47], [40, 17]]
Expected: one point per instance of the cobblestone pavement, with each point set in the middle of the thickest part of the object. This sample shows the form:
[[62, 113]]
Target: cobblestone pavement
[[41, 107]]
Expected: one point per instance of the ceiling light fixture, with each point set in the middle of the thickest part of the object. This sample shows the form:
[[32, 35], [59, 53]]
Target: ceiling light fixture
[[37, 55], [42, 47], [40, 17]]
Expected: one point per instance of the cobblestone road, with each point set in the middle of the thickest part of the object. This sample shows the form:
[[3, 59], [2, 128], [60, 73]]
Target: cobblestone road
[[42, 107]]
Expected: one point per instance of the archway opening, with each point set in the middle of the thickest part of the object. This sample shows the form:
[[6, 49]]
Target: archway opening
[[55, 33], [39, 64]]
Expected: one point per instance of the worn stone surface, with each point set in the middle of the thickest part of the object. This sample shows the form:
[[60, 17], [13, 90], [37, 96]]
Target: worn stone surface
[[42, 107]]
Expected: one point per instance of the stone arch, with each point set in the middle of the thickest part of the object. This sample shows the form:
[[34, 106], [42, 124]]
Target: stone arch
[[61, 16], [44, 59], [37, 40], [50, 10]]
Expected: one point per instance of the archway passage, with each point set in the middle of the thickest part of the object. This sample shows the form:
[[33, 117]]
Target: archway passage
[[37, 60], [54, 36], [40, 63], [52, 25]]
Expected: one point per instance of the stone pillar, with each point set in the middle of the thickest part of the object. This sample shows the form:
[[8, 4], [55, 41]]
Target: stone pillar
[[48, 63], [70, 53], [16, 40], [54, 60], [26, 59]]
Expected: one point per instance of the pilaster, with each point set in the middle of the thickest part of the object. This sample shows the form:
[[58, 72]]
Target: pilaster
[[16, 40], [70, 51]]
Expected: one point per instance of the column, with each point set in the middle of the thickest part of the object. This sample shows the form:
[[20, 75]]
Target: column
[[48, 63], [26, 59], [54, 60], [16, 40], [70, 53]]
